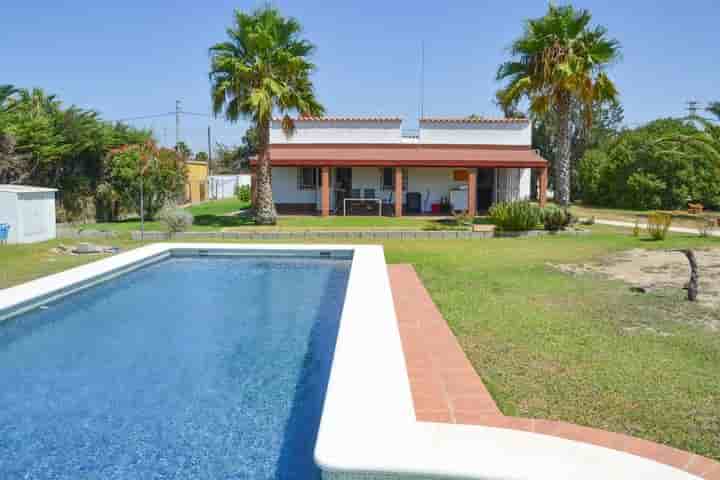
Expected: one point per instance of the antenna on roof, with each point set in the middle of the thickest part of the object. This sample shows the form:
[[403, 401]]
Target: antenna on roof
[[422, 79]]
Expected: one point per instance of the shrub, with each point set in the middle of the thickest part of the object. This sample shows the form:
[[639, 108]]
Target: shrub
[[556, 218], [463, 219], [636, 228], [242, 192], [658, 225], [163, 176], [515, 216], [175, 219]]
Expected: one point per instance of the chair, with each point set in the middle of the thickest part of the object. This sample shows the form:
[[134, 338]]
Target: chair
[[369, 194], [4, 230], [414, 202]]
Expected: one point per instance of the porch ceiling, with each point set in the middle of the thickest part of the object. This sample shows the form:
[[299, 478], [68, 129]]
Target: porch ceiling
[[405, 155]]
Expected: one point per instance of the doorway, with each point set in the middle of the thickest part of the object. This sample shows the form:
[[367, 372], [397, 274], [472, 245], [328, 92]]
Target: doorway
[[485, 182], [343, 187]]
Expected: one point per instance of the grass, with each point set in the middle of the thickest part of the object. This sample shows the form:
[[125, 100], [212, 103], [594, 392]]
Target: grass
[[680, 217], [577, 348], [218, 214]]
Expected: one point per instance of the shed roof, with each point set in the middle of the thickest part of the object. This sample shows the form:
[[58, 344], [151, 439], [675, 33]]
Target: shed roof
[[25, 189]]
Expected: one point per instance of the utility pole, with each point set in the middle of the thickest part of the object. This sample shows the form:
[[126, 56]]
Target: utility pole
[[422, 79], [177, 122], [209, 151]]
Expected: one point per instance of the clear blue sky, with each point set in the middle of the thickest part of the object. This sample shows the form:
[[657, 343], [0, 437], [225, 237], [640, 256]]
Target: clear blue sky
[[134, 57]]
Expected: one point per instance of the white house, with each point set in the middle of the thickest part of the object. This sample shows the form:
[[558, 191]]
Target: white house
[[30, 212], [364, 163]]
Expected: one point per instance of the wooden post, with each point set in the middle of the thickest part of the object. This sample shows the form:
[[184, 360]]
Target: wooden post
[[694, 275], [398, 192], [325, 195], [542, 186], [472, 192]]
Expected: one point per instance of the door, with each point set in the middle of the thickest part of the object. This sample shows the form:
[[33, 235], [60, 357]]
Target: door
[[343, 186], [485, 182]]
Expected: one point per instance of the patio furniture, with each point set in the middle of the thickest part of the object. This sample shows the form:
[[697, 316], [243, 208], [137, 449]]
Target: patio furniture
[[4, 231], [414, 201], [363, 200]]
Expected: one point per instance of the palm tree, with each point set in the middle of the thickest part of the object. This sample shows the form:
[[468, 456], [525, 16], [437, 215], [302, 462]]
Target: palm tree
[[559, 60], [263, 68]]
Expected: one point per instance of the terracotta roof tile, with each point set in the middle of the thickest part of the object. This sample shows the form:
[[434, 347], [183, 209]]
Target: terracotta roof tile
[[473, 120], [343, 119]]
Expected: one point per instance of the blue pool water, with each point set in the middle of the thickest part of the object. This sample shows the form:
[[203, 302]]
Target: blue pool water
[[192, 368]]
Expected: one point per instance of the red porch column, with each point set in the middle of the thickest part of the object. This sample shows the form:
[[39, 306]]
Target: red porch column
[[542, 186], [472, 192], [325, 191], [398, 192]]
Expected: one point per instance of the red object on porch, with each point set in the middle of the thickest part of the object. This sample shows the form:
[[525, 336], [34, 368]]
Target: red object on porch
[[435, 208]]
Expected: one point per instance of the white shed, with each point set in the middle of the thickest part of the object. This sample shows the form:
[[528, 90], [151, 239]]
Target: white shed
[[223, 186], [30, 212]]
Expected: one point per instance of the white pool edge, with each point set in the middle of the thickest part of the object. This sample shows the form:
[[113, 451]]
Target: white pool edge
[[368, 429]]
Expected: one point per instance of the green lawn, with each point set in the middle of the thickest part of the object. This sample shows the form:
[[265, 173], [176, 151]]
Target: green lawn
[[547, 344], [218, 214]]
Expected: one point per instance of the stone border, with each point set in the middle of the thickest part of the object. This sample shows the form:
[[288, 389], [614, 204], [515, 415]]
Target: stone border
[[447, 389], [320, 235]]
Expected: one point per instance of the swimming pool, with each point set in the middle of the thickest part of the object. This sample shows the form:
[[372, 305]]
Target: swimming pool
[[190, 396], [191, 367]]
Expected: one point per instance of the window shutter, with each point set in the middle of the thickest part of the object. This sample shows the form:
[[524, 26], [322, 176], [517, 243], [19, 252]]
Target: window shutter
[[300, 178]]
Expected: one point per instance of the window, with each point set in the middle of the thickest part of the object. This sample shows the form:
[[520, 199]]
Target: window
[[309, 178], [388, 178]]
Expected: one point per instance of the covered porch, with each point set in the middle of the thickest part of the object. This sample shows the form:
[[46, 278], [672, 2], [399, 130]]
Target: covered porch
[[398, 180]]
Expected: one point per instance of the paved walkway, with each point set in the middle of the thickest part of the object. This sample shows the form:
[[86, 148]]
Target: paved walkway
[[446, 388], [617, 223]]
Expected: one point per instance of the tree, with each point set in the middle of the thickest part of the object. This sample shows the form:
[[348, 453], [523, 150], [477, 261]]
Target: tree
[[184, 150], [161, 171], [559, 60], [263, 68], [607, 122], [663, 164]]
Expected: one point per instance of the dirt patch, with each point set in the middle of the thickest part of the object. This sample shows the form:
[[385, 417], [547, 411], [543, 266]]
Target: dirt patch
[[647, 270]]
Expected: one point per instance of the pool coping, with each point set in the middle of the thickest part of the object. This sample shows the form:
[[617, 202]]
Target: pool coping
[[368, 428], [447, 389]]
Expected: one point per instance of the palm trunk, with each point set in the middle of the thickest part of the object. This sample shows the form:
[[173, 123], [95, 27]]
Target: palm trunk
[[562, 163], [265, 209]]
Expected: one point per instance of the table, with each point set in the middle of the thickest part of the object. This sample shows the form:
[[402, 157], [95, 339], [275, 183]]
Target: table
[[377, 200]]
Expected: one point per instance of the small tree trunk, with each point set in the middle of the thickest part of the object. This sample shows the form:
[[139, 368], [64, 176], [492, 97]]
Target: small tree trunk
[[265, 209], [694, 275], [562, 162]]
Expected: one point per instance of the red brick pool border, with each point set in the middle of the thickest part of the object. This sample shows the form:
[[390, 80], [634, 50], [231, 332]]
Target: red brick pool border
[[446, 388]]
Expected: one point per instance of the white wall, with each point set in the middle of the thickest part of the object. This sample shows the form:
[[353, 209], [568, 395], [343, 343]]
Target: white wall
[[223, 186], [431, 183], [285, 188], [475, 133], [327, 131], [31, 216]]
